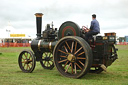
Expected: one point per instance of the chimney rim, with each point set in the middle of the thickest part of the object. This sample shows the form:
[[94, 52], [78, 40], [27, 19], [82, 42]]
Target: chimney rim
[[39, 14]]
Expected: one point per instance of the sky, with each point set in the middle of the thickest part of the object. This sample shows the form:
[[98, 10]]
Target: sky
[[111, 14]]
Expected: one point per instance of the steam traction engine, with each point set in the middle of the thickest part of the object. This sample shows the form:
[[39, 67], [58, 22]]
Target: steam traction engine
[[68, 51]]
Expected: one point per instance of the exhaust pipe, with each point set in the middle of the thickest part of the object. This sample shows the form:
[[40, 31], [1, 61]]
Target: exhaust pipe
[[38, 24]]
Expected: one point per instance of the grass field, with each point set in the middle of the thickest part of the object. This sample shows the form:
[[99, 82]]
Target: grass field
[[10, 73]]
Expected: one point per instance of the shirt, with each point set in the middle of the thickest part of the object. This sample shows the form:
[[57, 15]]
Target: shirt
[[95, 26]]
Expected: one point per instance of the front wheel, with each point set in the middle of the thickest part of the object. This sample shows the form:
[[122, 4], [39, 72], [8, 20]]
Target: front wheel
[[47, 60], [27, 61]]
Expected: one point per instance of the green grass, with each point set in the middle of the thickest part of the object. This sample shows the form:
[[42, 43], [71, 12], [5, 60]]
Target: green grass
[[10, 73]]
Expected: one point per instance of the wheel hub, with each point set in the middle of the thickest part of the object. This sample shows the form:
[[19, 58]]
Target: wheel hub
[[71, 57], [27, 61], [47, 58]]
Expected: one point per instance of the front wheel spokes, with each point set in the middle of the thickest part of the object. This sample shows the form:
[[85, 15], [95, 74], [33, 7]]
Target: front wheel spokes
[[24, 65], [23, 59], [28, 66], [47, 60], [25, 55], [49, 63], [26, 61]]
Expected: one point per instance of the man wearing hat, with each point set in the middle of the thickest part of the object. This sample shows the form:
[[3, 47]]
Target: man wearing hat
[[94, 28]]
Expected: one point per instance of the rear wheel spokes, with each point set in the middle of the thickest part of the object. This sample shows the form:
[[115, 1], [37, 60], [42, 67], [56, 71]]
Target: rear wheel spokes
[[81, 58], [68, 45], [81, 63], [72, 47], [65, 49], [75, 47], [67, 67], [62, 61], [78, 66], [65, 64], [80, 53], [75, 68], [71, 66], [62, 52]]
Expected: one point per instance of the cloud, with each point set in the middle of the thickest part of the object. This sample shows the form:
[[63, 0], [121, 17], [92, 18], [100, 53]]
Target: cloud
[[110, 14]]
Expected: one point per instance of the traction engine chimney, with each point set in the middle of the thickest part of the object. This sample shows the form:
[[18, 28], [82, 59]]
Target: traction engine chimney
[[38, 24]]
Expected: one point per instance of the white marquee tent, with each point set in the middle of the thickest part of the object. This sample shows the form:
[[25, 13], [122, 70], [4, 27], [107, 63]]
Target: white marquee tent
[[7, 31]]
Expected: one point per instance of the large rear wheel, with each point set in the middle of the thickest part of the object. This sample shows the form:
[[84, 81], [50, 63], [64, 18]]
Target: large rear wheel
[[72, 56]]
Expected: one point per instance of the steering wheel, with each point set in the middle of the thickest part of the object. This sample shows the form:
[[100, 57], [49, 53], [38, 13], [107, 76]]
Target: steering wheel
[[84, 28]]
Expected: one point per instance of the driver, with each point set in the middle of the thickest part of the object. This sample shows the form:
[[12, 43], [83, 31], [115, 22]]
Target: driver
[[94, 28]]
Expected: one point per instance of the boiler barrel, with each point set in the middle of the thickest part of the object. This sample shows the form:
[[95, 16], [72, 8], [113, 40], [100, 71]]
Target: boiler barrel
[[42, 45]]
